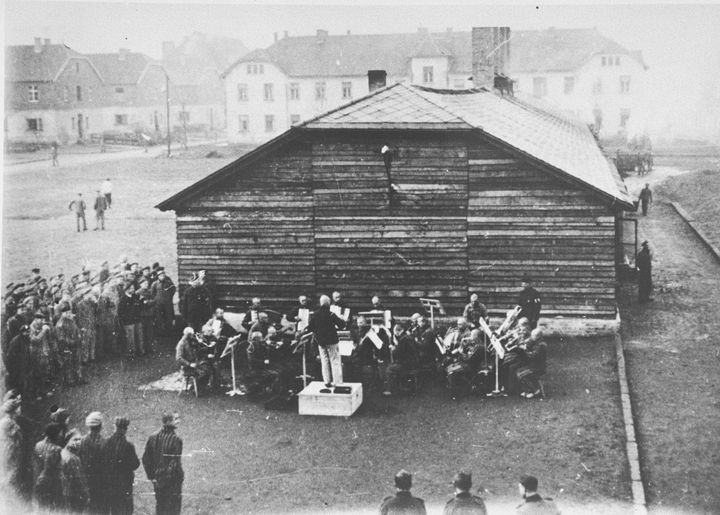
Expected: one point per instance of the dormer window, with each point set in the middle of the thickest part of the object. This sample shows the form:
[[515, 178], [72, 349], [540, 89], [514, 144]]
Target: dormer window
[[33, 93]]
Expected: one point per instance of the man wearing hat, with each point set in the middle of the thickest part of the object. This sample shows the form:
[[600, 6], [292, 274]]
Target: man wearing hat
[[92, 455], [403, 502], [533, 503], [645, 198], [163, 291], [120, 462], [529, 302], [196, 304], [163, 466], [643, 262], [464, 502]]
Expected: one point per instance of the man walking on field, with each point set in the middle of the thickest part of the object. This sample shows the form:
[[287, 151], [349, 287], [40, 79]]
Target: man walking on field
[[78, 207], [100, 207]]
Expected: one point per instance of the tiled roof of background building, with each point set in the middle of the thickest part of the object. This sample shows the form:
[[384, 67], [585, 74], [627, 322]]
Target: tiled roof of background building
[[115, 70], [24, 64]]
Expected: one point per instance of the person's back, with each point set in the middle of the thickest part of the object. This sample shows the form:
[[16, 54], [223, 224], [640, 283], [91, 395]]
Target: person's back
[[464, 503], [402, 503], [537, 505]]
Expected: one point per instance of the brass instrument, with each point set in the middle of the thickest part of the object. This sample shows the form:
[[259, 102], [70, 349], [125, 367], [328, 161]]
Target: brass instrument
[[510, 320]]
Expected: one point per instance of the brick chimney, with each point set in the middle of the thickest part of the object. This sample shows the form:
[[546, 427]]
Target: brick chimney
[[321, 36], [490, 54], [46, 42], [38, 45]]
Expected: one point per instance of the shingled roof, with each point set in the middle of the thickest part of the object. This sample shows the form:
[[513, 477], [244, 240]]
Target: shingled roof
[[24, 64], [347, 55], [564, 147], [126, 70]]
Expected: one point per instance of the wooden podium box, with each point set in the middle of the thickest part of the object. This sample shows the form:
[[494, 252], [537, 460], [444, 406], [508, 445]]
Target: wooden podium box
[[312, 402]]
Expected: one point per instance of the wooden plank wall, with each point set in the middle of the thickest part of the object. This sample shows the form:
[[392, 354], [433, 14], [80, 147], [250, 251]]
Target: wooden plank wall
[[521, 219], [254, 233], [410, 247]]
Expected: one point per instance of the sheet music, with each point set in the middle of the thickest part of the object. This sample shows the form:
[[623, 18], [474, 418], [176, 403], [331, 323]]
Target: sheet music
[[304, 316], [253, 316], [346, 347], [388, 319], [375, 339]]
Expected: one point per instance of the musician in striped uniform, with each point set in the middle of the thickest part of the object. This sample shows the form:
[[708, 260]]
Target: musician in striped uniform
[[163, 466]]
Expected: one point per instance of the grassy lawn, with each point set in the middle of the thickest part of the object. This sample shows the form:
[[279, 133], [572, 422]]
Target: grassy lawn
[[241, 458]]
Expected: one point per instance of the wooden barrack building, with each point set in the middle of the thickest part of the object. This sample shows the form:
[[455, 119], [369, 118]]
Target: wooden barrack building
[[481, 189]]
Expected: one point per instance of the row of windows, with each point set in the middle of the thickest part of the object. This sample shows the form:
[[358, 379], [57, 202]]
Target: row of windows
[[34, 93], [610, 60], [540, 86], [254, 69], [244, 122], [293, 91]]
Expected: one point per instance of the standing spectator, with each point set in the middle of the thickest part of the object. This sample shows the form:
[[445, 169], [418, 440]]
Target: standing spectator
[[47, 488], [121, 462], [403, 502], [196, 304], [529, 302], [147, 314], [107, 319], [464, 502], [87, 317], [163, 291], [106, 189], [104, 274], [129, 308], [69, 347], [100, 207], [78, 207], [11, 447], [60, 416], [16, 358], [645, 198], [325, 324], [91, 454], [41, 354], [163, 466], [643, 262], [75, 492], [533, 503], [54, 153]]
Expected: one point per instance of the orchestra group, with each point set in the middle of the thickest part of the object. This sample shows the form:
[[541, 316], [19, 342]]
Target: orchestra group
[[273, 352]]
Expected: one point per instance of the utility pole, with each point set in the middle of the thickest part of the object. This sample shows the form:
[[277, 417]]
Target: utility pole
[[167, 98]]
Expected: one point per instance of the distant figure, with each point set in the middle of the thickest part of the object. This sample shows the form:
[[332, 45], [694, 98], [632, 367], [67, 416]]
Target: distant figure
[[464, 502], [533, 503], [106, 190], [403, 502], [163, 466], [78, 207], [100, 207], [54, 153], [645, 198], [643, 262], [529, 302]]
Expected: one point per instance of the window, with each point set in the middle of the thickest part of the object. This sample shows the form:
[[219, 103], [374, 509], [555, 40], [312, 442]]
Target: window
[[243, 123], [184, 116], [539, 86], [294, 91], [597, 87], [249, 69], [624, 117], [78, 93], [569, 85], [459, 83], [603, 61], [261, 69], [617, 60], [121, 119], [87, 122], [268, 92], [33, 93], [34, 124], [89, 95], [254, 69], [242, 94], [294, 119], [319, 91], [66, 94], [625, 84], [428, 75], [120, 90], [269, 123], [77, 67], [347, 90]]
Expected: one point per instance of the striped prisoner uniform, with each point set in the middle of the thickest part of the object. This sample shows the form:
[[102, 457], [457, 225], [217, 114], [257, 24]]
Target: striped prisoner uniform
[[162, 463]]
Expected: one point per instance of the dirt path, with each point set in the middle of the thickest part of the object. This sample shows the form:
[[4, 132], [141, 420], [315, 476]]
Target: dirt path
[[673, 366]]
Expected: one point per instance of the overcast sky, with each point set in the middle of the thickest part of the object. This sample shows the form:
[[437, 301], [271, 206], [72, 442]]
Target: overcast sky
[[680, 43]]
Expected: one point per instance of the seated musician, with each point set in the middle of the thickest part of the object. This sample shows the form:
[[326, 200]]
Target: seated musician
[[251, 315], [262, 372], [474, 311], [372, 360], [534, 352], [262, 325], [513, 356], [404, 355], [192, 359], [425, 342], [455, 335], [465, 360], [375, 304], [294, 314], [218, 329]]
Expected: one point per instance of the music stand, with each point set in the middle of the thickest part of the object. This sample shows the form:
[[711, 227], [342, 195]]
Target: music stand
[[230, 349], [499, 354], [431, 305], [301, 346]]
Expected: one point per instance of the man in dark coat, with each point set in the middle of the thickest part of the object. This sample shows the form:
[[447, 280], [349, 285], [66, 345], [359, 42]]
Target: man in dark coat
[[129, 309], [196, 304], [643, 262], [100, 207], [78, 207], [529, 302], [474, 311], [92, 455], [464, 502], [163, 466], [645, 198], [533, 503], [121, 462], [403, 501], [325, 324]]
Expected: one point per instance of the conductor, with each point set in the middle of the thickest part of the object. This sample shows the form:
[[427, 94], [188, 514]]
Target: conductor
[[325, 324]]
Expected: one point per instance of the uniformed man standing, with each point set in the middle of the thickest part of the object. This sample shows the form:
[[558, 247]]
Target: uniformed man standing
[[163, 466], [645, 198], [533, 503], [464, 502], [643, 262], [529, 302], [403, 501]]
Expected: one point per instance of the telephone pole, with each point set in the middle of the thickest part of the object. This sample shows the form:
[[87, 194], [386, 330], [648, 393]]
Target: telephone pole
[[167, 99]]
